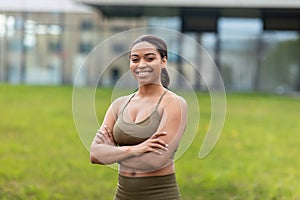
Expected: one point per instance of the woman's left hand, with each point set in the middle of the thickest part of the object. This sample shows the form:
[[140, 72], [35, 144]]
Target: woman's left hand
[[104, 136]]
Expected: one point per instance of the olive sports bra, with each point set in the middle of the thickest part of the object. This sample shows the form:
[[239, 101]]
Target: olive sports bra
[[129, 133]]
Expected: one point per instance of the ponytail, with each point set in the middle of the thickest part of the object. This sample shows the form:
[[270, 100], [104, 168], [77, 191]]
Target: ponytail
[[165, 79]]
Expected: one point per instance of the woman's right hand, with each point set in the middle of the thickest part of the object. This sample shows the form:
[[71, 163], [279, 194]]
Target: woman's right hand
[[104, 136], [153, 144]]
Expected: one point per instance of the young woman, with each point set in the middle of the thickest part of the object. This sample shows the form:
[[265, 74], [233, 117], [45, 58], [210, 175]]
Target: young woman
[[142, 131]]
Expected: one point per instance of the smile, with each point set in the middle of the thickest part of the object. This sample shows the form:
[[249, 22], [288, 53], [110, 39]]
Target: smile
[[143, 73]]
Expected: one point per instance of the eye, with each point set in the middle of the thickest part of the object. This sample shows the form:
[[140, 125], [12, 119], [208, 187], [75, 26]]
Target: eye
[[150, 59], [134, 60]]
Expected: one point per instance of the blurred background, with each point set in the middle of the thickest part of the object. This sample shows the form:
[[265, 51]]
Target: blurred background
[[255, 44]]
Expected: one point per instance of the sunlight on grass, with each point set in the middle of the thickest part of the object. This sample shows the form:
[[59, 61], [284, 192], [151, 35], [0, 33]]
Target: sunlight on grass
[[42, 156]]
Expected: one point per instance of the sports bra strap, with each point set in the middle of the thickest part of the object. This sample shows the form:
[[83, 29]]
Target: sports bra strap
[[160, 99], [128, 101]]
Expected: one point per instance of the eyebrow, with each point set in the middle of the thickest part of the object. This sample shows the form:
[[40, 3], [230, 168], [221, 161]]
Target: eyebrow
[[147, 54]]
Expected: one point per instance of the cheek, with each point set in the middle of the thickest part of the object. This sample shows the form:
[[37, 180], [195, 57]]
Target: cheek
[[157, 65], [132, 66]]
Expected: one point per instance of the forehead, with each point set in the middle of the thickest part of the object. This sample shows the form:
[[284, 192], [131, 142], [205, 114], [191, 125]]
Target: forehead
[[143, 47]]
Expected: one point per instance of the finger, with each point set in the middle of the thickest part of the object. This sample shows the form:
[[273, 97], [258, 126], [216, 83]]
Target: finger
[[159, 141], [108, 131], [107, 128], [158, 134], [101, 139], [98, 140], [100, 131], [100, 136], [158, 146], [155, 151], [103, 136]]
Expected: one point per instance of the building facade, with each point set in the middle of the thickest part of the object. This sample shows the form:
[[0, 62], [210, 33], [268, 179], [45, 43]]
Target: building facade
[[254, 50]]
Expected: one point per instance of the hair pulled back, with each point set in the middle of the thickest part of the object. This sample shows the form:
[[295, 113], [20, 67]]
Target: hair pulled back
[[161, 47]]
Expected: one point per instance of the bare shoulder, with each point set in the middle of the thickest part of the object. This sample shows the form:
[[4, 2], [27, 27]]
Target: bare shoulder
[[119, 102], [175, 101]]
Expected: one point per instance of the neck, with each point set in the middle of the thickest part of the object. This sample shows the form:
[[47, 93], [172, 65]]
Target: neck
[[150, 89]]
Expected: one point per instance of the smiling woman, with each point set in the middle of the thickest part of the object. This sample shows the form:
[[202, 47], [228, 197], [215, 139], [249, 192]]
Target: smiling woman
[[153, 48], [141, 132], [146, 63]]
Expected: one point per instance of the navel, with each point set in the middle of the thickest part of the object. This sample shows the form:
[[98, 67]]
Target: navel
[[133, 173]]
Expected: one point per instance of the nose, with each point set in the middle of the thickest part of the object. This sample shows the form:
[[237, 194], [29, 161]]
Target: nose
[[142, 64]]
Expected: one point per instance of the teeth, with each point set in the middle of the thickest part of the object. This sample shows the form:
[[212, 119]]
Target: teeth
[[143, 73]]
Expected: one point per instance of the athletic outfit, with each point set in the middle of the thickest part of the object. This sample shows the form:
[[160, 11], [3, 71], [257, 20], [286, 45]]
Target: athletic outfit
[[142, 188]]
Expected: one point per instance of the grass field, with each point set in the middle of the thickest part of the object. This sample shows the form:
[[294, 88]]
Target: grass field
[[42, 157]]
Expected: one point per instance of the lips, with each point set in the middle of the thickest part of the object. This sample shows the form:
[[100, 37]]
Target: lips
[[143, 73]]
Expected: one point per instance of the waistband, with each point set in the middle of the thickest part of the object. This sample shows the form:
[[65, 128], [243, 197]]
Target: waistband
[[153, 187]]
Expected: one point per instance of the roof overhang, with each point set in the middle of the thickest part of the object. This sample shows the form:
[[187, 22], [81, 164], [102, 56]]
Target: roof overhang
[[45, 6], [202, 15], [199, 3]]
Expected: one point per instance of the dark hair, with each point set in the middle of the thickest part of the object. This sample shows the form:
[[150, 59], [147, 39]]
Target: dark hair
[[161, 47]]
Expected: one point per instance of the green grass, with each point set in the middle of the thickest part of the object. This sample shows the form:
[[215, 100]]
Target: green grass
[[42, 156]]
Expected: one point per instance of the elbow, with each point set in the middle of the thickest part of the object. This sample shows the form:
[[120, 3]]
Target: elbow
[[94, 160]]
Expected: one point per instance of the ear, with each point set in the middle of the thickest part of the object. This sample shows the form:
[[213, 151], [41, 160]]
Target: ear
[[164, 62]]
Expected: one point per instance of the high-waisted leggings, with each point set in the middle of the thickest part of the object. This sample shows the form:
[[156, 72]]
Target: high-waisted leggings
[[148, 188]]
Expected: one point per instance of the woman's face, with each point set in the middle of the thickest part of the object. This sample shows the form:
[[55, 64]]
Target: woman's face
[[146, 63]]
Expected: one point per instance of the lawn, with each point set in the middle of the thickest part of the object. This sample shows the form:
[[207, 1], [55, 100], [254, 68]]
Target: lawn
[[42, 156]]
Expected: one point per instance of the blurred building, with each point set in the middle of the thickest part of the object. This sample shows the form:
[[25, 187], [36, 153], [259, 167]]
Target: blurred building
[[46, 41], [255, 44]]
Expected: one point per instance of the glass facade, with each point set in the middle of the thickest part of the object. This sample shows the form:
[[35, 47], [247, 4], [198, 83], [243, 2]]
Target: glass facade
[[239, 51], [248, 57], [280, 67], [49, 48], [43, 48]]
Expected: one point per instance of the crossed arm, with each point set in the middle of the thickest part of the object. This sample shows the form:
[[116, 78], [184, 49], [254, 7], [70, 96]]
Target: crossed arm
[[154, 153]]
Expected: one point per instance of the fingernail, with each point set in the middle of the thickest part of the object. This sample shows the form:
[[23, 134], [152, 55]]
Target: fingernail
[[166, 145], [105, 125]]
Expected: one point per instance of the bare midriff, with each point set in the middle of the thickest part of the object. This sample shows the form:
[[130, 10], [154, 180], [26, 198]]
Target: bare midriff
[[170, 169]]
